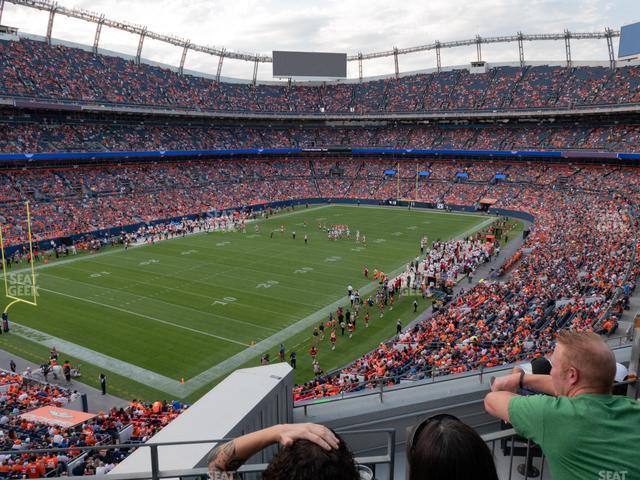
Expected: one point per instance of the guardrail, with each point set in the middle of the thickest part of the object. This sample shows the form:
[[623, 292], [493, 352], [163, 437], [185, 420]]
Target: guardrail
[[511, 444], [155, 473], [380, 387], [514, 446]]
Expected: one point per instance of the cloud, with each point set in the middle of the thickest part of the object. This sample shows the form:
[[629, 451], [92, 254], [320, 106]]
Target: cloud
[[351, 26]]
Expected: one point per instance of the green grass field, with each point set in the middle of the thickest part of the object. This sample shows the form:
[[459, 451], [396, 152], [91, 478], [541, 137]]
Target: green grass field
[[190, 308]]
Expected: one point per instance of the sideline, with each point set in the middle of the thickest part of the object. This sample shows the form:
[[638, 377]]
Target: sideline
[[89, 256]]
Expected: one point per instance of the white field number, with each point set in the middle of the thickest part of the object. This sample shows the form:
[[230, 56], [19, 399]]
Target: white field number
[[332, 259], [267, 284], [99, 274], [149, 262], [224, 301], [303, 270], [379, 240], [188, 252], [222, 244]]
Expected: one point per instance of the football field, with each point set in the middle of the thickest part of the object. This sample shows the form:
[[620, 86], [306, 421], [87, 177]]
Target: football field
[[171, 319]]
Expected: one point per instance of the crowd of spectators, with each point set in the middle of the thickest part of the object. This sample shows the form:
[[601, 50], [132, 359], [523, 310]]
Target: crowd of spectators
[[20, 393], [561, 281], [47, 134], [35, 69], [569, 269], [72, 201]]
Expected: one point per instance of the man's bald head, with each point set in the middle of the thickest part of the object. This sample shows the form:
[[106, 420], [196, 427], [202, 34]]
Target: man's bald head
[[585, 362]]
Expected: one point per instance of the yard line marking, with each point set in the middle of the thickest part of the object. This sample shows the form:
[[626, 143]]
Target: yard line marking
[[165, 288], [135, 373], [174, 387], [148, 317], [230, 272], [244, 356], [89, 256]]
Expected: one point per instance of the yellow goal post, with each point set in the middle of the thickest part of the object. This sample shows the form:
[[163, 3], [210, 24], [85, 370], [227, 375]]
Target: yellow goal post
[[10, 294]]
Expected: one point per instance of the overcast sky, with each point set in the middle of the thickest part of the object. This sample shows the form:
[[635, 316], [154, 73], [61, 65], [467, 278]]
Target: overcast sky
[[260, 26]]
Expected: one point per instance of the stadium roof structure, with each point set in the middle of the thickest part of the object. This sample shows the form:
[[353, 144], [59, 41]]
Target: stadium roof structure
[[221, 52]]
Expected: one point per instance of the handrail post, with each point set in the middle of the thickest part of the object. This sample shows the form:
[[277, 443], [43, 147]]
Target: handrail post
[[392, 452], [381, 390], [155, 469], [634, 361]]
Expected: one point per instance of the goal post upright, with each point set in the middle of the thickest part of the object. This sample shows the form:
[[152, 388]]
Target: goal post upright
[[31, 259], [4, 263], [5, 273]]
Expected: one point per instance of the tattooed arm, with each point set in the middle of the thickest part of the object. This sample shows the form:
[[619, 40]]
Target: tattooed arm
[[231, 455], [224, 458]]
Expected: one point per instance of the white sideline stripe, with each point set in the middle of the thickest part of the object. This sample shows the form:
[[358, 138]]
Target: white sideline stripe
[[168, 385], [89, 256], [142, 315], [135, 373]]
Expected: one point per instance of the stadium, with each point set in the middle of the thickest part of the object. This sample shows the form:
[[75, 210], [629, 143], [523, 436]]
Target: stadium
[[199, 264]]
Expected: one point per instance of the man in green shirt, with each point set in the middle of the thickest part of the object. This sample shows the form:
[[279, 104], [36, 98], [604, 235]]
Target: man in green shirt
[[585, 432]]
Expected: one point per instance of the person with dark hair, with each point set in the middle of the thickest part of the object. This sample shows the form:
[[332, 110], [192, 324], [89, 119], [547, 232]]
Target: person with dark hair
[[537, 366], [293, 360], [444, 448], [310, 451], [103, 383], [66, 369]]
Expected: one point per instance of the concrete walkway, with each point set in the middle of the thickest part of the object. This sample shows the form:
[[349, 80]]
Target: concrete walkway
[[97, 401]]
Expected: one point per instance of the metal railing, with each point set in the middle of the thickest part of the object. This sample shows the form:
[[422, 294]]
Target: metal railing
[[380, 386], [155, 473], [514, 446], [506, 441]]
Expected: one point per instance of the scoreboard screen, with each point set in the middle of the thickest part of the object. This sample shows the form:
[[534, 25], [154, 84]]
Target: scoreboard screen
[[629, 40], [309, 64]]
